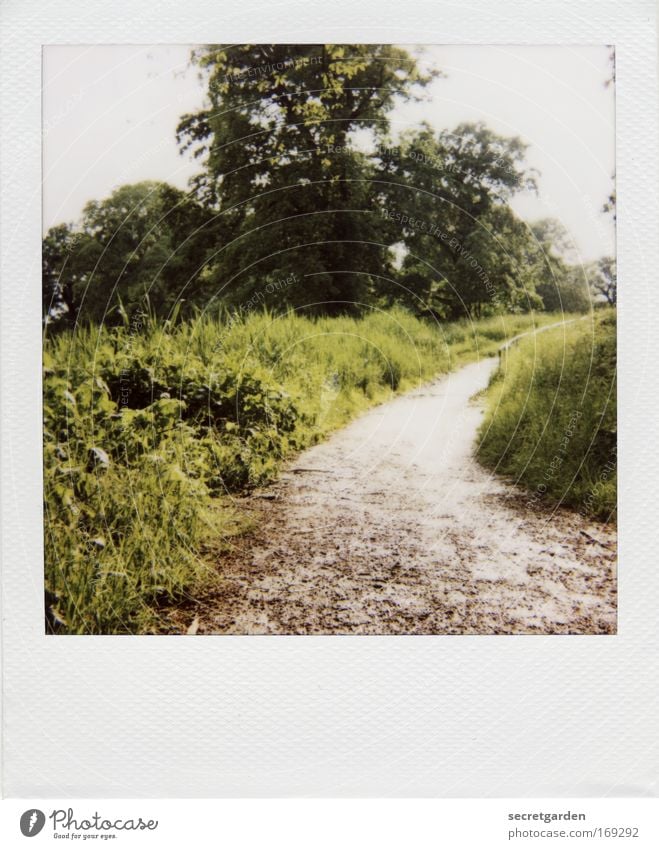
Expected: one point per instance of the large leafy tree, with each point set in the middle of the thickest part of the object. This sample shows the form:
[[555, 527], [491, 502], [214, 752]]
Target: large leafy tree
[[463, 244], [286, 166], [147, 241], [561, 283]]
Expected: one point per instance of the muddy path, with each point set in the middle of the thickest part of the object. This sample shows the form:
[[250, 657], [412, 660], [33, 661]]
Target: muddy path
[[392, 527]]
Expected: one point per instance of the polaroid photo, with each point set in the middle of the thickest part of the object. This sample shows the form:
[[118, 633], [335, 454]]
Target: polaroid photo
[[327, 374], [346, 370]]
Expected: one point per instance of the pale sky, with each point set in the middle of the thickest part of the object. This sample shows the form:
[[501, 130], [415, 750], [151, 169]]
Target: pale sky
[[110, 115]]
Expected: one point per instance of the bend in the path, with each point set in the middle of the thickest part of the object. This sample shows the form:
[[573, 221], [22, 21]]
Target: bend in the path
[[391, 527]]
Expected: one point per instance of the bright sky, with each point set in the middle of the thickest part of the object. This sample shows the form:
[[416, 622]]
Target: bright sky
[[110, 115]]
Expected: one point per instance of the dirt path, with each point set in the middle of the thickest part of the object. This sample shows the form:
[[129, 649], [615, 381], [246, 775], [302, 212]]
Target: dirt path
[[391, 527]]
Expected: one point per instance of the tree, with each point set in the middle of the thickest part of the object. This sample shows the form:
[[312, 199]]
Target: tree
[[561, 284], [147, 240], [554, 239], [59, 275], [282, 170], [604, 279], [446, 198]]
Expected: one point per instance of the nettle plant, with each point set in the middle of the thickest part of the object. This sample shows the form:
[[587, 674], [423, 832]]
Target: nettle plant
[[126, 484]]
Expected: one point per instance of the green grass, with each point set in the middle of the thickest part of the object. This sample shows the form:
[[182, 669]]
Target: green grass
[[551, 419], [149, 428]]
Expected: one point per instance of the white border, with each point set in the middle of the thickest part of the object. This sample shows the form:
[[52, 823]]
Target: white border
[[341, 716]]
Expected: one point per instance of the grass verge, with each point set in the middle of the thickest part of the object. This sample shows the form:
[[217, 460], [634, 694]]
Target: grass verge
[[551, 417]]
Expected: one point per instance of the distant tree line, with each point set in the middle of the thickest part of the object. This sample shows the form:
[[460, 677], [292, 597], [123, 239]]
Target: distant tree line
[[301, 179]]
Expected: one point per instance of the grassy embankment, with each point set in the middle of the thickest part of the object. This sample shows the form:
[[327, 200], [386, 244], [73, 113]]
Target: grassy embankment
[[551, 419], [149, 427]]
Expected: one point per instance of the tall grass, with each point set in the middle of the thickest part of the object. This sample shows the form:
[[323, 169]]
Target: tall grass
[[551, 420], [149, 427]]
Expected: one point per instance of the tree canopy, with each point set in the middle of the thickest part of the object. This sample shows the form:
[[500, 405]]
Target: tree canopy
[[283, 169], [447, 196], [561, 282], [603, 277], [146, 241], [305, 198]]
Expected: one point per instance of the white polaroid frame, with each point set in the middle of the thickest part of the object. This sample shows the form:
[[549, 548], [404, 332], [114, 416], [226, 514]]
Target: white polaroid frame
[[443, 716]]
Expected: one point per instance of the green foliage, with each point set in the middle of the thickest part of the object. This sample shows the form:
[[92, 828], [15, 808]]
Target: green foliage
[[304, 200], [603, 278], [563, 287], [144, 244], [149, 425], [281, 168], [59, 275], [465, 248], [551, 421], [123, 512]]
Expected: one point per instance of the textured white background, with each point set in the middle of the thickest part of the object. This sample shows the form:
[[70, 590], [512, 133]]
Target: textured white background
[[262, 716]]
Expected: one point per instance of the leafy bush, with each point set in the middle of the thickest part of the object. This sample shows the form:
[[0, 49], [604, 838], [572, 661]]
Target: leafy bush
[[122, 515], [551, 421]]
